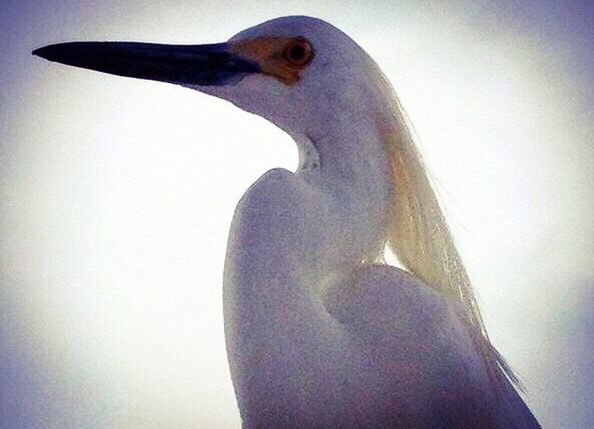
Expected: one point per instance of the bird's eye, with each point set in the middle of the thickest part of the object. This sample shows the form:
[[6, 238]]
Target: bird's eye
[[298, 53]]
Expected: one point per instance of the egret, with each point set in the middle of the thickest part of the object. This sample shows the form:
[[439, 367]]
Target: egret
[[320, 331]]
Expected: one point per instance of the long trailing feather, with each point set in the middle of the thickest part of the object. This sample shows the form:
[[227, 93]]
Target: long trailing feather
[[419, 235]]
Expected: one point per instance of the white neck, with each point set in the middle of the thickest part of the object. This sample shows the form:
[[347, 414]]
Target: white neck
[[347, 155], [348, 163]]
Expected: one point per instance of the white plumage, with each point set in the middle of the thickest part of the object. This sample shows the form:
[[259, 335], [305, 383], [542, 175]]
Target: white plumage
[[320, 333]]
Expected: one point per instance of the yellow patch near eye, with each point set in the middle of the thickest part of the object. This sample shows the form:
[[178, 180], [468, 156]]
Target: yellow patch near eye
[[268, 52]]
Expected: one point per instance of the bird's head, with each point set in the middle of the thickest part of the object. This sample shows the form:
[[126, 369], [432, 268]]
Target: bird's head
[[294, 71]]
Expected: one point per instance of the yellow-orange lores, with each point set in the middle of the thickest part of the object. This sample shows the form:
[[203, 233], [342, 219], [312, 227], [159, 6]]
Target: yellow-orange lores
[[281, 57]]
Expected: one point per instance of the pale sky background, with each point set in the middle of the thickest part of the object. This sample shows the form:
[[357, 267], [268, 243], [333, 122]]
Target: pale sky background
[[116, 196]]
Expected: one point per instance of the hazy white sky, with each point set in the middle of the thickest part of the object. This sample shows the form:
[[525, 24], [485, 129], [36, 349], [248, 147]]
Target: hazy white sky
[[116, 197]]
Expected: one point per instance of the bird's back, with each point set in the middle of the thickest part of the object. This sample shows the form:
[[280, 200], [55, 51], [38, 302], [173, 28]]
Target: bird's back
[[430, 363]]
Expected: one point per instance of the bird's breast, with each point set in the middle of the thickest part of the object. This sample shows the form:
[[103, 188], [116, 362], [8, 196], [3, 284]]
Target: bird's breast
[[289, 242]]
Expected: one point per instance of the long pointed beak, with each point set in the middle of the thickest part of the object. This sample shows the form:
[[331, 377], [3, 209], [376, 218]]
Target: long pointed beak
[[180, 64]]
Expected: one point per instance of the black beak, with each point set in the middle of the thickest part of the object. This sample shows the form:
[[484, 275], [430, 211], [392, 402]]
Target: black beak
[[180, 64]]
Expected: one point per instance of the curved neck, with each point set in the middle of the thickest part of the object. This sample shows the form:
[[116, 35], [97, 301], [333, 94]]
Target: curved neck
[[349, 164], [348, 157]]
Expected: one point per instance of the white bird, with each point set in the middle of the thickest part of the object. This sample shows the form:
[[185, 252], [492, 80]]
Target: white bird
[[320, 332]]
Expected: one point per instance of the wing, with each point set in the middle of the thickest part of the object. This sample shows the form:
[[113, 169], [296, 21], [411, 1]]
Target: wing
[[425, 351]]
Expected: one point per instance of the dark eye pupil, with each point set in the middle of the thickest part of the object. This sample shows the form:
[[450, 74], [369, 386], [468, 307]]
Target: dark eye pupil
[[297, 52]]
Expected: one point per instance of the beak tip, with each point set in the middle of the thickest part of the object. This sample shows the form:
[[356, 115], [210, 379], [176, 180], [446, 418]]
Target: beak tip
[[65, 53], [44, 52]]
